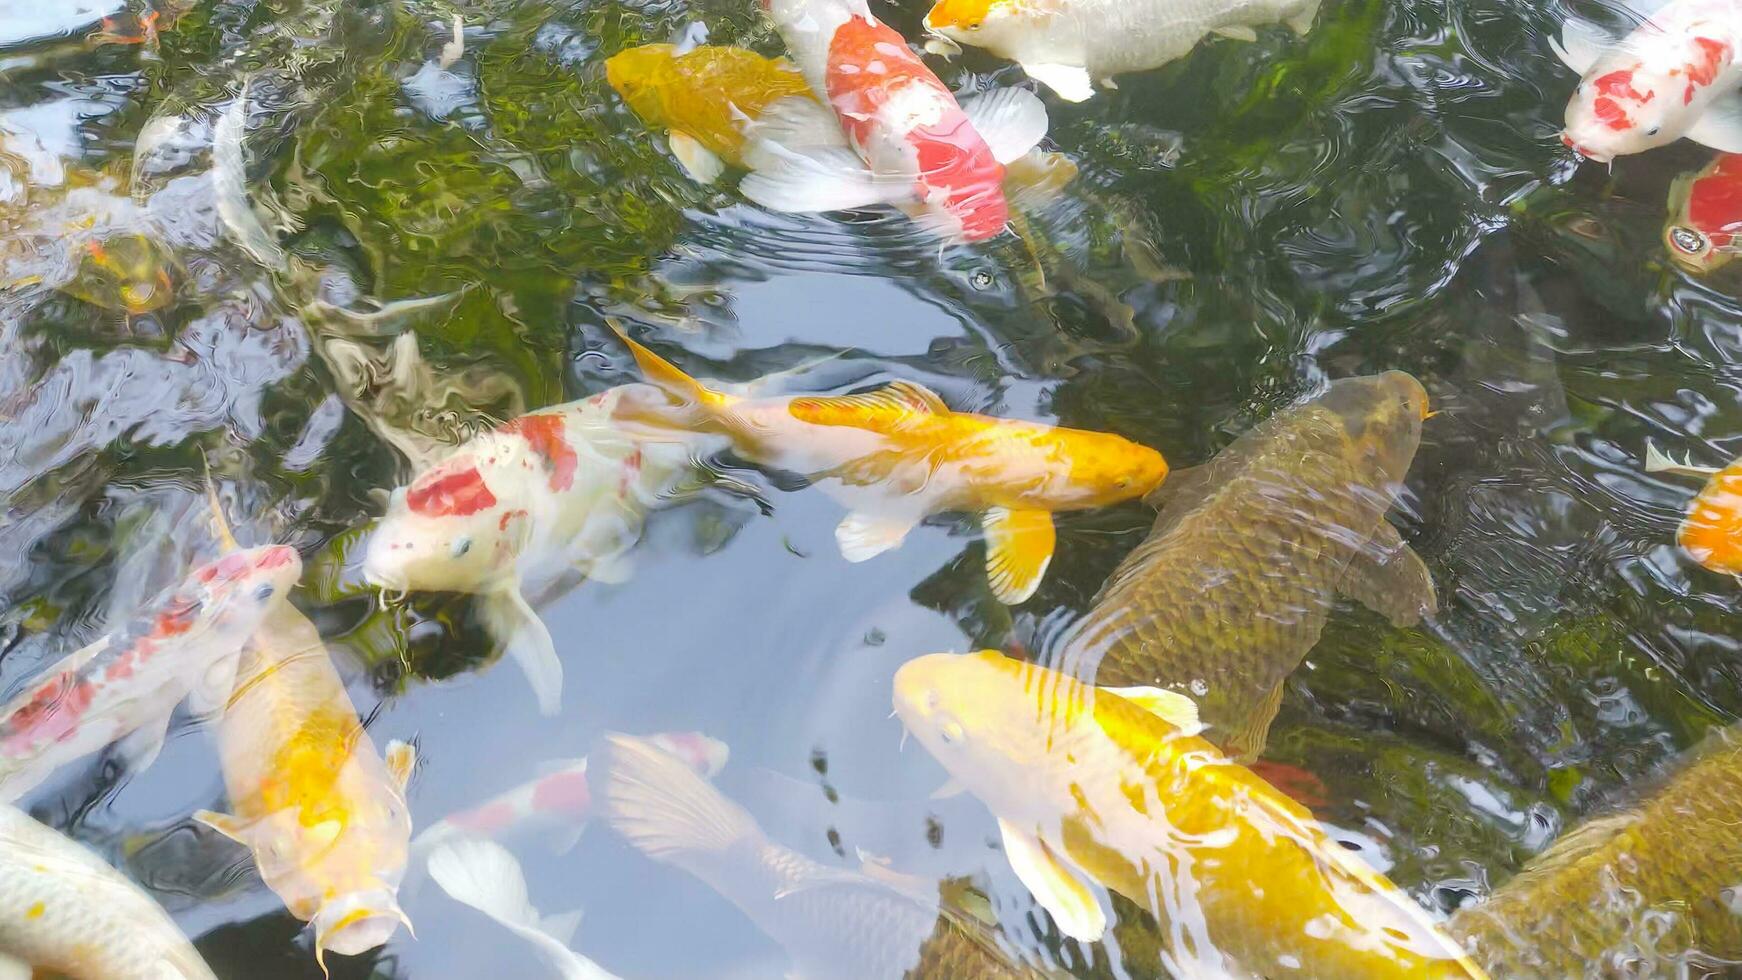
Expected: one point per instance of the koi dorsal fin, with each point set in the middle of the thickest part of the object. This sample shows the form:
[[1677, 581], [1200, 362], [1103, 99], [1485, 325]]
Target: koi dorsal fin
[[908, 396]]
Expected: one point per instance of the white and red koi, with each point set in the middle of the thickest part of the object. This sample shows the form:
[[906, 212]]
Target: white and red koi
[[125, 686], [1675, 75], [563, 487], [558, 804], [895, 135], [320, 807], [1705, 215]]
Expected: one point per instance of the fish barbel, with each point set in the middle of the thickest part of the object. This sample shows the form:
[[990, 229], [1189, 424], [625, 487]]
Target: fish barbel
[[560, 488], [835, 923], [320, 808], [1237, 578], [1088, 785], [1651, 891], [66, 912], [703, 97], [898, 454], [883, 129], [1069, 45], [1705, 215], [1676, 75], [125, 686]]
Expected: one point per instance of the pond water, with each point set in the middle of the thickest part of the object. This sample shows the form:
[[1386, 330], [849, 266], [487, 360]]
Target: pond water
[[1248, 223]]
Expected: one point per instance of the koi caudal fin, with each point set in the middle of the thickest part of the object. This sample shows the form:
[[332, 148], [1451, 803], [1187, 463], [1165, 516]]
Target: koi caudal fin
[[484, 875]]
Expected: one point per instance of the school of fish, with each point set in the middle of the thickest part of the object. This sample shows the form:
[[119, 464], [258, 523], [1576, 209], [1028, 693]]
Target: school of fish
[[1121, 767]]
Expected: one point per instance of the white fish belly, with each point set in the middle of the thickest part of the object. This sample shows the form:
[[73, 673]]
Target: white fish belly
[[1109, 37]]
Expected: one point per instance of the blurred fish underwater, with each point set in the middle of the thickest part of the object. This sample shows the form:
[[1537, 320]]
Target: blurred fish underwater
[[1321, 415]]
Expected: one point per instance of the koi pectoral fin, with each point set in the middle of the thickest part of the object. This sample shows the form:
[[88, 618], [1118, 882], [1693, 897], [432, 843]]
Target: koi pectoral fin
[[401, 760], [528, 642], [1010, 120], [1019, 547], [697, 161], [1059, 888], [1071, 82], [140, 747], [1389, 578], [865, 536], [1720, 126]]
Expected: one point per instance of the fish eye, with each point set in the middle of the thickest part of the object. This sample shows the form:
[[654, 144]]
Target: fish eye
[[1687, 240], [950, 730], [264, 592], [1653, 131], [462, 546]]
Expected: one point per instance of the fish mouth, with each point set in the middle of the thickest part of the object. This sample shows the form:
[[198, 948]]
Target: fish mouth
[[1596, 156]]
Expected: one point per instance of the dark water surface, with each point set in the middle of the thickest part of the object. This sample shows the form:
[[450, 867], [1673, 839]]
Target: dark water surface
[[1249, 223]]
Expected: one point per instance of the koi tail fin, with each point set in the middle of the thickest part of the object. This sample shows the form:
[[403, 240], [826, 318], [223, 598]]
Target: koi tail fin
[[694, 399], [660, 805]]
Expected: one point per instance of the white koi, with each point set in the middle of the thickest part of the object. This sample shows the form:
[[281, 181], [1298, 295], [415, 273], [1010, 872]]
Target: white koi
[[64, 911], [1069, 45]]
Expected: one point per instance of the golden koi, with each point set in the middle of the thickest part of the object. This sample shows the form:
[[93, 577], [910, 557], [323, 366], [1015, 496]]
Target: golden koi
[[1113, 787], [703, 97], [898, 454], [323, 812], [1712, 532]]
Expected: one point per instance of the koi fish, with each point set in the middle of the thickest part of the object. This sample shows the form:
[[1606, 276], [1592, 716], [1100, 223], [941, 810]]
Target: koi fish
[[1070, 44], [1676, 75], [124, 687], [896, 134], [482, 874], [898, 454], [130, 272], [1706, 215], [1249, 552], [563, 487], [1711, 534], [321, 809], [559, 803], [1646, 890], [703, 97], [834, 923], [65, 912], [1098, 786]]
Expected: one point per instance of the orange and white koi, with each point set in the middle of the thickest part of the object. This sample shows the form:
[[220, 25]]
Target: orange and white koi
[[1712, 532], [898, 454], [895, 135], [321, 809], [563, 487], [124, 687], [559, 803], [1706, 215], [1676, 75], [66, 913], [1071, 44]]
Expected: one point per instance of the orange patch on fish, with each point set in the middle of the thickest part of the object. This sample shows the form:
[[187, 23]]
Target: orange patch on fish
[[544, 433], [1712, 533], [959, 13], [1715, 201]]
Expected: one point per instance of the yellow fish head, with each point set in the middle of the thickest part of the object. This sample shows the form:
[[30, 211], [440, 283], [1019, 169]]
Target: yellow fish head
[[636, 74], [999, 726], [132, 273], [1108, 469], [1381, 417], [357, 921], [978, 22]]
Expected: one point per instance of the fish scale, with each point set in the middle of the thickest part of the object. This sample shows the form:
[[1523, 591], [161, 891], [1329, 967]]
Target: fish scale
[[1643, 887], [63, 909], [1238, 576]]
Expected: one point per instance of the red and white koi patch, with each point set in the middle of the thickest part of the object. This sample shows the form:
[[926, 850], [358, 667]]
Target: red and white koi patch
[[545, 434], [456, 489]]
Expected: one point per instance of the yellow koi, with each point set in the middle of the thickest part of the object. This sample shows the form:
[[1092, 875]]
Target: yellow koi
[[1113, 786], [323, 812], [702, 97], [898, 454]]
